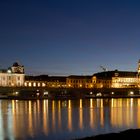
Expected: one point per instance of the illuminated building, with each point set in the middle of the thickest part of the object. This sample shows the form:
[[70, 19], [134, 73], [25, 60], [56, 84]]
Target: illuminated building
[[105, 79], [115, 79], [13, 76], [56, 81], [45, 81], [75, 81], [138, 75]]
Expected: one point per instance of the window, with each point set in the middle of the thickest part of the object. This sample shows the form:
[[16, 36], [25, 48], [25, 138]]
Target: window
[[18, 77], [18, 83]]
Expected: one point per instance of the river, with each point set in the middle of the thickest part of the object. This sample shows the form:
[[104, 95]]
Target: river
[[66, 119]]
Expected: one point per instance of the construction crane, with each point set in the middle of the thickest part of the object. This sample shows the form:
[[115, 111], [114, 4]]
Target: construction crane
[[103, 68]]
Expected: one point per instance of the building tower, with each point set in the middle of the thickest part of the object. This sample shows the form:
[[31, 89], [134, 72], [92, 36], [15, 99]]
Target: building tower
[[17, 68], [139, 66], [138, 75]]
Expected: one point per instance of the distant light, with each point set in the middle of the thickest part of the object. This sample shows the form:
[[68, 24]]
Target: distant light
[[9, 71], [46, 93], [112, 93], [91, 93], [25, 84], [38, 84], [34, 84], [30, 84], [99, 94], [43, 84], [131, 93]]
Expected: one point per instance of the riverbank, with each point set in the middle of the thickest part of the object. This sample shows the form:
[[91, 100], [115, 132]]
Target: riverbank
[[66, 93], [127, 134]]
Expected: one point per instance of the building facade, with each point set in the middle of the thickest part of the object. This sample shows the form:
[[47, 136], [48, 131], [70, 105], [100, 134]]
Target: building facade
[[13, 76], [75, 81], [105, 79], [115, 79], [45, 81]]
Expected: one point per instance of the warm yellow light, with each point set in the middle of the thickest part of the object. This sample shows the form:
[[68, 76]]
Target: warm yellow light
[[69, 104], [131, 93], [9, 71], [116, 85], [99, 94], [112, 93], [91, 93], [25, 84], [16, 92], [91, 103], [34, 84], [43, 84], [38, 84], [46, 93], [81, 106], [30, 84]]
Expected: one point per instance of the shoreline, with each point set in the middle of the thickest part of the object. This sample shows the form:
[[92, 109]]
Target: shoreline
[[66, 93], [126, 134]]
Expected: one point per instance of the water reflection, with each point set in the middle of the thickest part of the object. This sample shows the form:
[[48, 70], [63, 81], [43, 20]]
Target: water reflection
[[51, 118], [59, 115], [81, 115], [69, 116], [91, 114], [45, 117]]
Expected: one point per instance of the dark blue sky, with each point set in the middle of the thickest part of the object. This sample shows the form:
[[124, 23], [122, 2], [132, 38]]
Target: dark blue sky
[[63, 37]]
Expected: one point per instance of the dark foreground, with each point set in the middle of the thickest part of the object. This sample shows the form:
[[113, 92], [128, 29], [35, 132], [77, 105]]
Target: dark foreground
[[128, 134]]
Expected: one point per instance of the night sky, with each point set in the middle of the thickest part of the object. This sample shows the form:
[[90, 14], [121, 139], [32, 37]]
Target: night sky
[[64, 37]]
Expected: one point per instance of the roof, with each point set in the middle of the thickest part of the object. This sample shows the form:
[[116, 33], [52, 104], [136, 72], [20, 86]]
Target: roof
[[115, 73], [15, 64], [46, 78], [79, 77]]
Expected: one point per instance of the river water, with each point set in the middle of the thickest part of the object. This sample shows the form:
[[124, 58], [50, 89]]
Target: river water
[[66, 119]]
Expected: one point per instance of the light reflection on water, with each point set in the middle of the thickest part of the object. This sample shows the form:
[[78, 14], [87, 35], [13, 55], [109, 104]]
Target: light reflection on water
[[66, 119]]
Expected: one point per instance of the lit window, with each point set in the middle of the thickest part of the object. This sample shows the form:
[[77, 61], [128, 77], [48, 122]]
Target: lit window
[[25, 84], [30, 84], [34, 84], [38, 84], [43, 84], [99, 94], [46, 93]]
